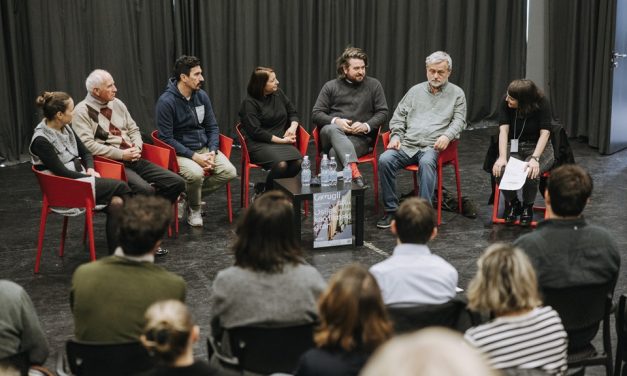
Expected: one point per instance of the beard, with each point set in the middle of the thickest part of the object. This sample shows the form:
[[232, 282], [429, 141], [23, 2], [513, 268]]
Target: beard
[[437, 84]]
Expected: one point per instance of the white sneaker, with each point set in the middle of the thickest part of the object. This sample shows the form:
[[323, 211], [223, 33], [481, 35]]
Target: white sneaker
[[194, 218], [182, 206]]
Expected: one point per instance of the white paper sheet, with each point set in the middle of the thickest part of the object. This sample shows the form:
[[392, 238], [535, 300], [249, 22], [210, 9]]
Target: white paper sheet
[[514, 176]]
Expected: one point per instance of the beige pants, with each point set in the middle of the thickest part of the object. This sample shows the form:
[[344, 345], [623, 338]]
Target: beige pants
[[197, 183]]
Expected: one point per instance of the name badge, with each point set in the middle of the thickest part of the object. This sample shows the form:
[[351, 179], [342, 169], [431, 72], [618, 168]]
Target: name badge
[[200, 113], [513, 146]]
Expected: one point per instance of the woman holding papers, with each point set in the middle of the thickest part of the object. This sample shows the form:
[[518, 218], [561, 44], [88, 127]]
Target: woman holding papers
[[56, 148], [524, 133]]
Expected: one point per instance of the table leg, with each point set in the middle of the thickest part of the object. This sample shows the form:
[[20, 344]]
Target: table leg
[[296, 201], [359, 226]]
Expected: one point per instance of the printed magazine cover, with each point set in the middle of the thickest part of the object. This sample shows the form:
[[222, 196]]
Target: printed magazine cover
[[332, 218]]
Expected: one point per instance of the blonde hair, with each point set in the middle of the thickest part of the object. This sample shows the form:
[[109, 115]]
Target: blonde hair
[[428, 352], [352, 313], [505, 281], [168, 327]]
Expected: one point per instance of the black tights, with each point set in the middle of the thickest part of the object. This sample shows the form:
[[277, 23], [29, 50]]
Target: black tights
[[283, 169]]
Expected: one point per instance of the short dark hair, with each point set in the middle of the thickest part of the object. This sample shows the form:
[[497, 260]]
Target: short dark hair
[[183, 65], [266, 237], [53, 102], [349, 53], [258, 80], [415, 221], [570, 187], [143, 223], [527, 94]]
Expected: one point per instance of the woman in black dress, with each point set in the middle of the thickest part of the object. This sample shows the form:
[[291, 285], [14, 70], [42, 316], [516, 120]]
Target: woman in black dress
[[56, 148], [270, 124], [524, 132]]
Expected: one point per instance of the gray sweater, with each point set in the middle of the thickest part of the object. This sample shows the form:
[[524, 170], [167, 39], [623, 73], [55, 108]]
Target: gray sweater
[[245, 297], [20, 329], [364, 102]]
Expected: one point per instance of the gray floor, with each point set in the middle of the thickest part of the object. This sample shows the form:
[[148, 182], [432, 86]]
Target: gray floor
[[198, 254]]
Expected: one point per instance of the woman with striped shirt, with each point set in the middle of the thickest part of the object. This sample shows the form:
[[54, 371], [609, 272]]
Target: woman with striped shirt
[[523, 334]]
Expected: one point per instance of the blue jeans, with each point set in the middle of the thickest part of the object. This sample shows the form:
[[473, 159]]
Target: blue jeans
[[393, 160]]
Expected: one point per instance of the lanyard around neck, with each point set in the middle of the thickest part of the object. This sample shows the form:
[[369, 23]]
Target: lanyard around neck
[[523, 127]]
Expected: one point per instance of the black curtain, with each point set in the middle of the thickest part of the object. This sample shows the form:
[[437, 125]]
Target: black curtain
[[580, 45], [54, 44]]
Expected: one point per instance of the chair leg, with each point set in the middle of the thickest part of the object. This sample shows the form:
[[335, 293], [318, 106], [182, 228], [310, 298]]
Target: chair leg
[[90, 229], [459, 187], [229, 205], [439, 193], [375, 181], [42, 232], [246, 191], [495, 205], [63, 234]]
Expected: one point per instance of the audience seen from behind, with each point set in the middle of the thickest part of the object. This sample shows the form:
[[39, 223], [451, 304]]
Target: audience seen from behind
[[428, 352], [270, 283], [56, 148], [106, 127], [109, 297], [170, 335], [523, 334], [349, 111], [270, 123], [524, 133], [20, 329], [427, 119], [353, 323], [413, 275], [185, 120], [565, 250]]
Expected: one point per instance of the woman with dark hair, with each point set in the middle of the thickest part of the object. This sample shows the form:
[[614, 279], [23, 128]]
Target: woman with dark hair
[[524, 132], [353, 323], [170, 335], [270, 283], [270, 123], [523, 334], [56, 148]]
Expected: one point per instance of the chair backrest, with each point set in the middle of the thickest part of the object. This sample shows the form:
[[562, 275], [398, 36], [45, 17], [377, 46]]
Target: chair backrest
[[581, 308], [242, 141], [107, 359], [19, 362], [64, 192], [385, 137], [269, 350], [157, 155], [448, 154], [302, 140], [452, 314], [226, 145], [621, 330], [108, 168], [174, 165]]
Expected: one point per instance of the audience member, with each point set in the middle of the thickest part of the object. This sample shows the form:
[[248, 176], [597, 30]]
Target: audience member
[[56, 148], [353, 323], [270, 124], [413, 275], [270, 283], [185, 120], [170, 335], [106, 128], [428, 352], [426, 120], [523, 334], [20, 330], [349, 111], [524, 132], [109, 297], [565, 250]]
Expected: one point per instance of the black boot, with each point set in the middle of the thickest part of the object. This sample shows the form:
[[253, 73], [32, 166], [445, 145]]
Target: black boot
[[512, 209], [527, 215]]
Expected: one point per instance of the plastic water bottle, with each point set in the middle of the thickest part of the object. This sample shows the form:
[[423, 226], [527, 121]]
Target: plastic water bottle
[[305, 174], [347, 173], [324, 171], [332, 172]]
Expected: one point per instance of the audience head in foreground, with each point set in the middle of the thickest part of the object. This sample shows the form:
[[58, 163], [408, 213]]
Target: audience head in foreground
[[568, 191], [170, 335], [523, 334], [428, 352], [143, 223], [353, 324]]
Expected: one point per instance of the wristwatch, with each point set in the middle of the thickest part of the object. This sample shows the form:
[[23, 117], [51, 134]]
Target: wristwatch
[[536, 158]]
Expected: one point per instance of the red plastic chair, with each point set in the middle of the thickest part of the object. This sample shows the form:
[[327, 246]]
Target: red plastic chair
[[70, 193], [446, 157], [226, 145], [368, 158], [497, 198]]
